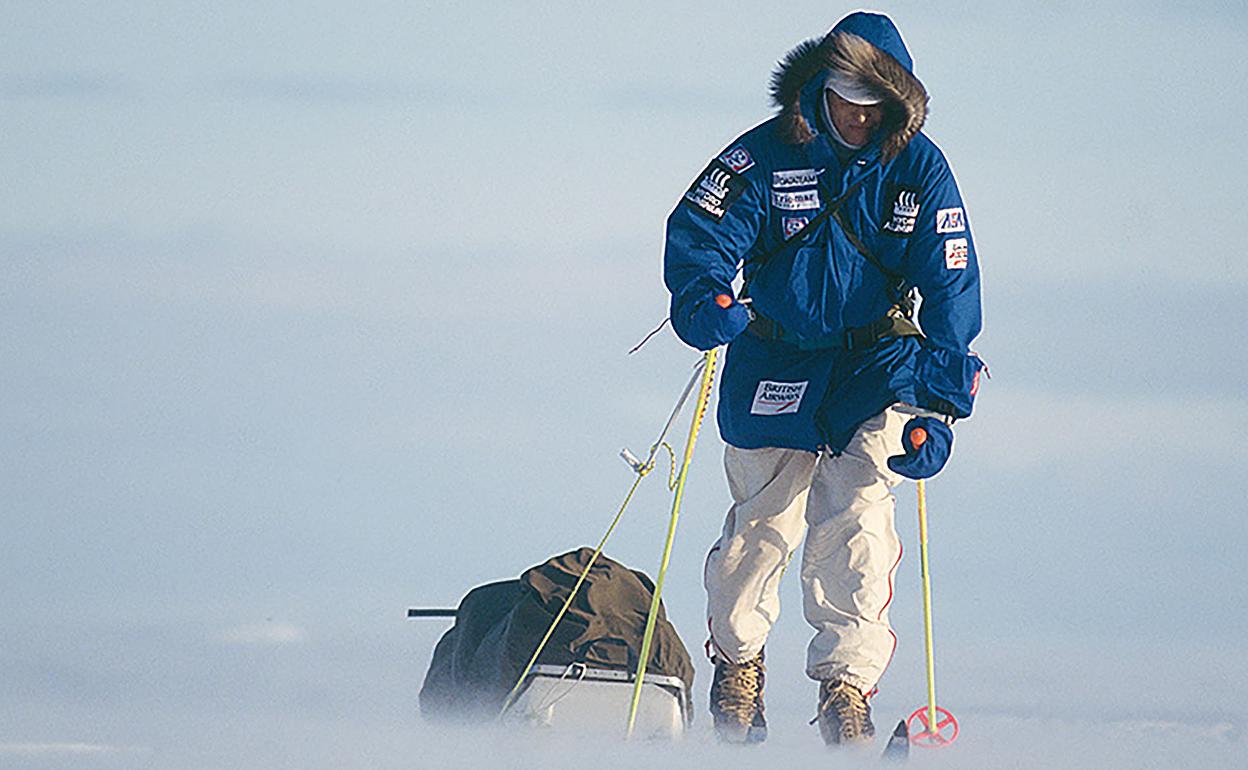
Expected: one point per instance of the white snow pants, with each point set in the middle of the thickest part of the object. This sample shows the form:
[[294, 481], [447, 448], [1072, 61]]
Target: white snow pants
[[851, 553]]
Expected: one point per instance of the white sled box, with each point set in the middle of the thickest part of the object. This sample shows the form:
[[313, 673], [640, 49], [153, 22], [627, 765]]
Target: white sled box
[[583, 700]]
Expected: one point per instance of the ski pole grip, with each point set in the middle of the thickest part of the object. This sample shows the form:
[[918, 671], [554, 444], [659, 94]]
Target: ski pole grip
[[918, 437], [723, 300]]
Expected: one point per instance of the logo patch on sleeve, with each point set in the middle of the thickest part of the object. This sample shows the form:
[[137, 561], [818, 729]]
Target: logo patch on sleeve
[[773, 398], [795, 201], [715, 191], [738, 159], [798, 177], [903, 212], [793, 225], [950, 221], [955, 253]]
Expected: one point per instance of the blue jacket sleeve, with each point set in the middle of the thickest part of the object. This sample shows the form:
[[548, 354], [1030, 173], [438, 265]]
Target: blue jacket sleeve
[[710, 231], [941, 262]]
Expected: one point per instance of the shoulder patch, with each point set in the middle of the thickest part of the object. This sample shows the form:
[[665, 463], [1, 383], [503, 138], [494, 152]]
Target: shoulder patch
[[902, 210], [955, 253], [738, 159], [715, 190], [950, 221]]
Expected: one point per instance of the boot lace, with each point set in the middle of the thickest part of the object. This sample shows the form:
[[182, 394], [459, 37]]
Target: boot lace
[[845, 704], [740, 685]]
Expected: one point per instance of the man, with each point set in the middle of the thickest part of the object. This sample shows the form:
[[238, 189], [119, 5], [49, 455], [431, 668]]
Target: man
[[836, 212]]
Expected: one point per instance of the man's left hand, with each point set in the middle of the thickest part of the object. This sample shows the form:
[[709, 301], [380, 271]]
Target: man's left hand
[[928, 443]]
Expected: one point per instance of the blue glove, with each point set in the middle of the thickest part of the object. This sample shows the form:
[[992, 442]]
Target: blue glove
[[928, 442], [711, 324]]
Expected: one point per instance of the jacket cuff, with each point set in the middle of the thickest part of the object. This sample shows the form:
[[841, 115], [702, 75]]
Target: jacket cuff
[[947, 380]]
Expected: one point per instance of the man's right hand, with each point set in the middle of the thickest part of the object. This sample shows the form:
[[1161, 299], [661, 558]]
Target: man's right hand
[[715, 321]]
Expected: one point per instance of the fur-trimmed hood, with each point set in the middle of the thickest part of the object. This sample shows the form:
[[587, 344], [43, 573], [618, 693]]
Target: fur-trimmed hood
[[865, 46]]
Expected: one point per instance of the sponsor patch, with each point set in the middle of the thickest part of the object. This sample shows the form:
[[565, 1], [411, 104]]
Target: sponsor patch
[[955, 254], [798, 177], [715, 191], [793, 225], [738, 159], [903, 210], [951, 221], [795, 201], [773, 398]]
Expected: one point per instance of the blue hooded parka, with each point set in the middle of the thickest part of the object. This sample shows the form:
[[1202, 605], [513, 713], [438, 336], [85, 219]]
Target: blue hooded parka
[[829, 246]]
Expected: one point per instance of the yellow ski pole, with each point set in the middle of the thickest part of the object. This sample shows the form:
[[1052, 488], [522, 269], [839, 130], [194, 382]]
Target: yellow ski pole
[[928, 645], [704, 392], [931, 736]]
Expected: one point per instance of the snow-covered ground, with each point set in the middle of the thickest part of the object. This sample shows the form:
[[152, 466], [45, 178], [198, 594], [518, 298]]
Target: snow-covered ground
[[1059, 731], [171, 700]]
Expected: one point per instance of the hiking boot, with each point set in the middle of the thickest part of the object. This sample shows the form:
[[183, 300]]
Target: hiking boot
[[844, 716], [737, 701]]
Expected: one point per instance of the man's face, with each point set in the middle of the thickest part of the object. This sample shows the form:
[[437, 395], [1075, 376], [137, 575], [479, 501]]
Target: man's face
[[854, 122]]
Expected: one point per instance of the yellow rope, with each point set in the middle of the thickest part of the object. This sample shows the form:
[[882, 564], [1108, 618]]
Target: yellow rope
[[671, 473], [511, 696], [704, 392], [642, 472]]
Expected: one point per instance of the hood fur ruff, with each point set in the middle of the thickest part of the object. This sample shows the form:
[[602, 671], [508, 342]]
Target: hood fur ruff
[[906, 100]]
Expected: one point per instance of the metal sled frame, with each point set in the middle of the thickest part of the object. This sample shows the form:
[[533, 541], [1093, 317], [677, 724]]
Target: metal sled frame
[[580, 698]]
